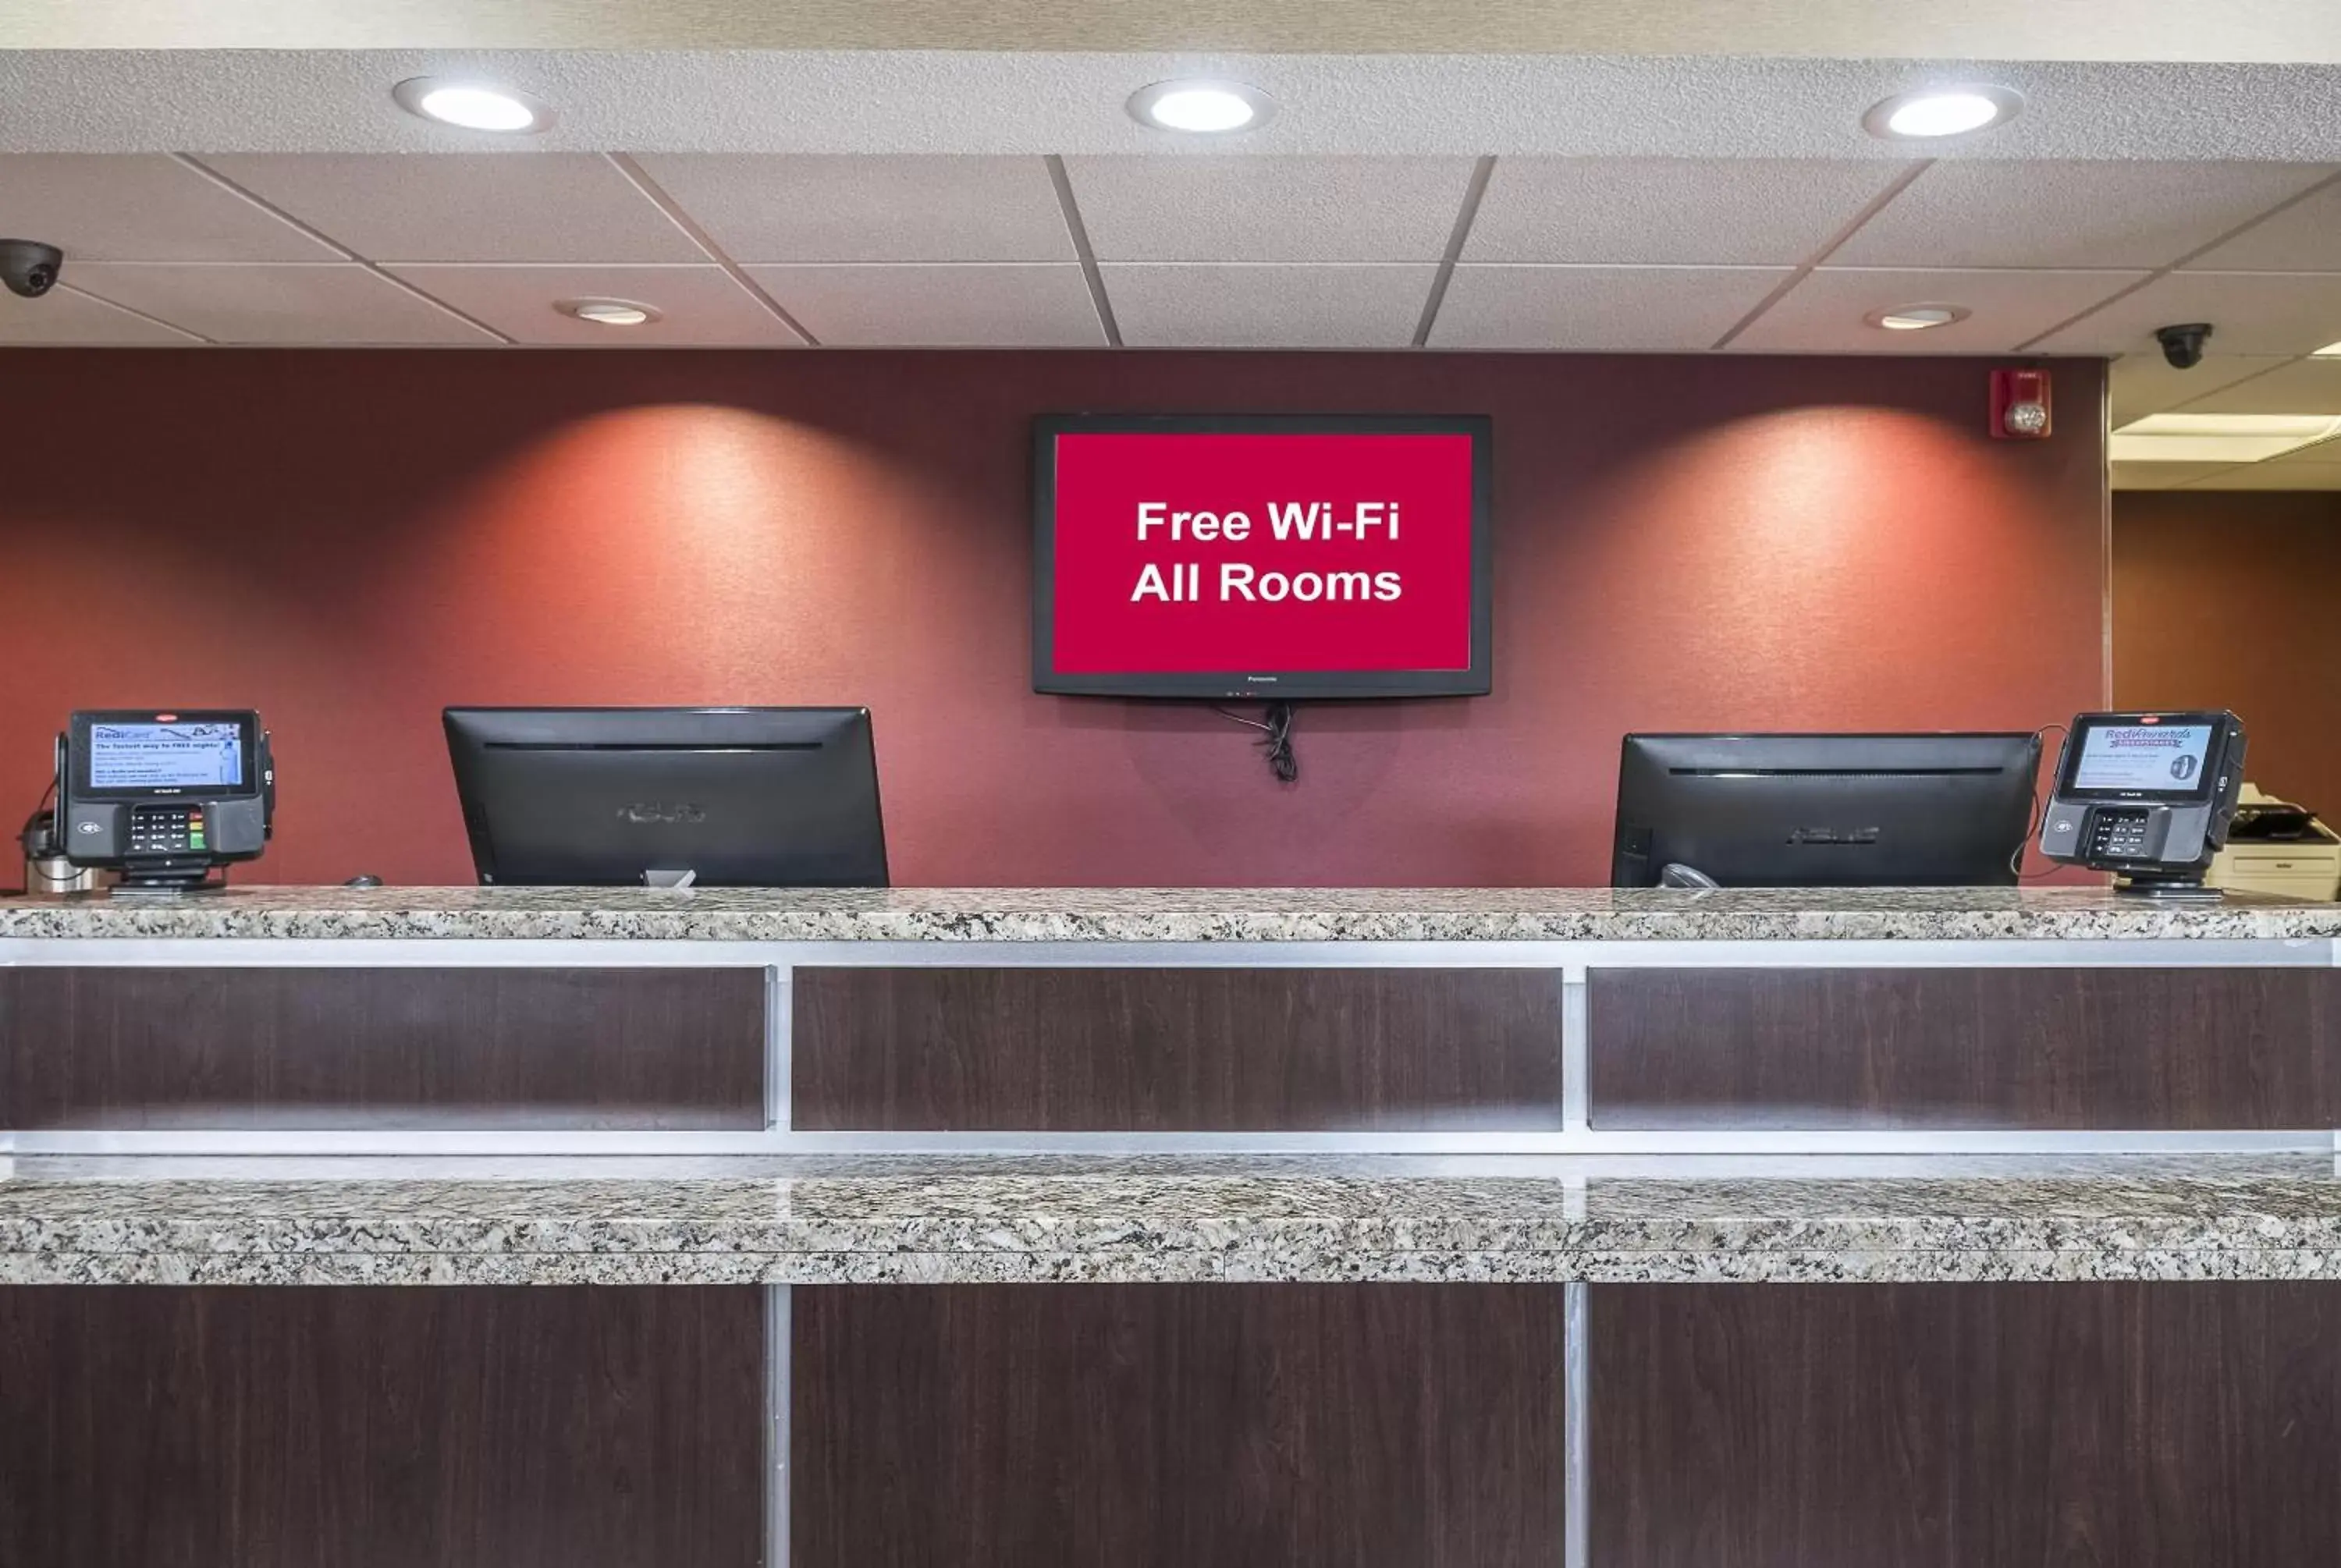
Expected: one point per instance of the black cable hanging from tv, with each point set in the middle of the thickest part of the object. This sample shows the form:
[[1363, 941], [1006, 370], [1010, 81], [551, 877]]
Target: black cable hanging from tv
[[1276, 737]]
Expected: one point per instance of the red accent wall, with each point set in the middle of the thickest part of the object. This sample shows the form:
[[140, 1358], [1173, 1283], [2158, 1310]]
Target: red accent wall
[[2232, 598], [350, 541]]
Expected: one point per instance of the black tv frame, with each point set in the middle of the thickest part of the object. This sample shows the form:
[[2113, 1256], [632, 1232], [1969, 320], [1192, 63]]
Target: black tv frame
[[1268, 685]]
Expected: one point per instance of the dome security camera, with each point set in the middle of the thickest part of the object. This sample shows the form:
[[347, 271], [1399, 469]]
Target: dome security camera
[[2183, 345], [30, 268]]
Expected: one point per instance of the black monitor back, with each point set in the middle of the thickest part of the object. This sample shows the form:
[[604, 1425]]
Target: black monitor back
[[1825, 810], [601, 797]]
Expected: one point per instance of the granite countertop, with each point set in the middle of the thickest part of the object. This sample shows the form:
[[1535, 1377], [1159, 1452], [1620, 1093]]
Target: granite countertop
[[1165, 915], [814, 1222]]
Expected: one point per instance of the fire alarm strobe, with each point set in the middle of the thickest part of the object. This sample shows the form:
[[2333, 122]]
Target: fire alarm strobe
[[2019, 405]]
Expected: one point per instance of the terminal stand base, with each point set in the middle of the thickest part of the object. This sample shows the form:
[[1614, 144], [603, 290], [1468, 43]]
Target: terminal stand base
[[2188, 892], [171, 885]]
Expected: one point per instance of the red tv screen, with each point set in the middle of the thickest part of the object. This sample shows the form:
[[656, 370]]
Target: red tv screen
[[1276, 556]]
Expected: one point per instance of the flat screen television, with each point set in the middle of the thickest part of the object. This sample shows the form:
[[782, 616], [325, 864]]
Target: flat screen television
[[1273, 556]]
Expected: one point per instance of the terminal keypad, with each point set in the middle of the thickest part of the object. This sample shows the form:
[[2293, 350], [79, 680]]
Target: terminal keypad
[[168, 830], [2119, 834]]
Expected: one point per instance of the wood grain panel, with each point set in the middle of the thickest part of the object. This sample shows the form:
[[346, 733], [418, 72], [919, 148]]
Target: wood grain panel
[[1169, 1049], [2077, 1426], [2225, 598], [132, 1048], [522, 1427], [1165, 1427], [2105, 1049]]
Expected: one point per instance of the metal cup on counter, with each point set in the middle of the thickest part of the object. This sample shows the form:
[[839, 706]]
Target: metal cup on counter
[[47, 870]]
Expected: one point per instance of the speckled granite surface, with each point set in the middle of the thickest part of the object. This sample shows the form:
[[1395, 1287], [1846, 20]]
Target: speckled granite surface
[[933, 1221], [1164, 915]]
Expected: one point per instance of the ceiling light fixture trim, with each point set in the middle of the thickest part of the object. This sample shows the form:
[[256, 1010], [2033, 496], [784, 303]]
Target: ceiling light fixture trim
[[1201, 106], [1938, 113], [1918, 318], [473, 105], [608, 313]]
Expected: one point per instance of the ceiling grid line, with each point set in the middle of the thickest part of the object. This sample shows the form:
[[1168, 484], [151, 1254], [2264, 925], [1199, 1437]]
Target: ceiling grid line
[[90, 293], [190, 161], [657, 196], [2296, 454], [1828, 247], [2202, 250], [2229, 386], [1078, 231], [1475, 190], [1276, 249]]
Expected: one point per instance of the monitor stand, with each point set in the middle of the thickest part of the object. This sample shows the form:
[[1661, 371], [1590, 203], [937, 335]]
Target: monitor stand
[[2170, 890], [669, 880], [167, 884]]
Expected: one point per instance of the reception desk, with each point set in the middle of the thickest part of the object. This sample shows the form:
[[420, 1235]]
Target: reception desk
[[1610, 1230]]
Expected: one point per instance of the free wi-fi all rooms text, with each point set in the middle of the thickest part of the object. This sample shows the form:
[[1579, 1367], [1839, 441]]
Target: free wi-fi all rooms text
[[1183, 582]]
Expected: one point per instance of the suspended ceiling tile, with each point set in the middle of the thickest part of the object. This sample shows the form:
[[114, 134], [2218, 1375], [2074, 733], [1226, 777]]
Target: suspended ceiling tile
[[2250, 312], [64, 316], [2054, 212], [2144, 382], [2301, 386], [1238, 306], [2277, 476], [1597, 309], [941, 208], [698, 306], [468, 206], [2162, 475], [343, 304], [960, 305], [1249, 207], [1827, 311], [1674, 212], [2323, 454], [140, 207], [2304, 238]]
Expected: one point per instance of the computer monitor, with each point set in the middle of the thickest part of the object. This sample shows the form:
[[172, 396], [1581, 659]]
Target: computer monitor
[[1938, 810], [616, 797]]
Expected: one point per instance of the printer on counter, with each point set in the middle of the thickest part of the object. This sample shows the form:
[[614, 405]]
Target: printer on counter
[[2276, 846]]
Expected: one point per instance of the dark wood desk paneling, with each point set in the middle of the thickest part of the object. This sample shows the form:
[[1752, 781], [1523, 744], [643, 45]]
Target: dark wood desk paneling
[[232, 1048], [522, 1427], [1168, 1049], [1168, 1426], [2062, 1425], [2009, 1048]]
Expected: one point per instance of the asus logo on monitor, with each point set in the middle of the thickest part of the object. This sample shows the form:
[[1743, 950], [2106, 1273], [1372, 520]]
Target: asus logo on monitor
[[659, 812]]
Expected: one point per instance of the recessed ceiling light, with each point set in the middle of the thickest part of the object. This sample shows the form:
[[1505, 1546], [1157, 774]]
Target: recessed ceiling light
[[1943, 111], [608, 312], [473, 105], [2220, 437], [1917, 318], [1206, 108]]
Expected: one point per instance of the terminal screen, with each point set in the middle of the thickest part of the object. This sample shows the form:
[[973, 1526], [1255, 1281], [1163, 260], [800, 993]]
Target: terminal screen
[[166, 756], [2166, 758]]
